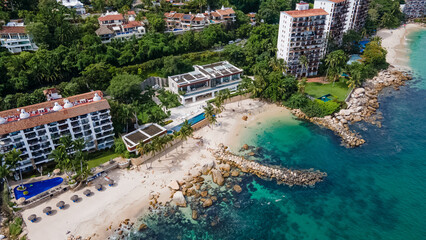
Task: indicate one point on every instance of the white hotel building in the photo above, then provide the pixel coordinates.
(205, 81)
(301, 33)
(36, 129)
(15, 38)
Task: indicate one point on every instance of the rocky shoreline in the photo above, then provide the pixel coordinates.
(280, 174)
(362, 106)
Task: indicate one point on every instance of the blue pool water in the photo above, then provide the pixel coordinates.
(373, 192)
(325, 98)
(192, 121)
(37, 187)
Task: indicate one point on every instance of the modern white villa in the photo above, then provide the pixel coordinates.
(74, 4)
(205, 81)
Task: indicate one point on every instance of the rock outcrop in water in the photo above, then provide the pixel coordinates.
(362, 106)
(282, 175)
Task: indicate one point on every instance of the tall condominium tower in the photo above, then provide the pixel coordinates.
(336, 20)
(357, 14)
(301, 33)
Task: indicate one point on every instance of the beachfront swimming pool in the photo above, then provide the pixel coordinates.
(35, 188)
(192, 121)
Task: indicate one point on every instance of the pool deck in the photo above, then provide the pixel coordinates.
(183, 112)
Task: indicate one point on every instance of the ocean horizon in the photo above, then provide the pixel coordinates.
(376, 191)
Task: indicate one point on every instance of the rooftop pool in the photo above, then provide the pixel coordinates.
(36, 188)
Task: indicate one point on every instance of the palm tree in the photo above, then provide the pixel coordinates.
(60, 156)
(301, 85)
(186, 130)
(278, 65)
(4, 169)
(218, 102)
(79, 145)
(13, 158)
(67, 142)
(335, 60)
(209, 113)
(303, 60)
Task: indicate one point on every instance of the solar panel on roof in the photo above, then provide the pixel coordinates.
(187, 17)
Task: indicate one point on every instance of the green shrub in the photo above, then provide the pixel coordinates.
(15, 228)
(318, 108)
(297, 100)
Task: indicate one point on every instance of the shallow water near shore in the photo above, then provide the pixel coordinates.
(376, 191)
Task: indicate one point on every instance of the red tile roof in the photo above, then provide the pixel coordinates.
(131, 13)
(226, 11)
(306, 13)
(8, 29)
(38, 119)
(132, 24)
(111, 17)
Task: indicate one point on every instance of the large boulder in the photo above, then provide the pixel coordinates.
(179, 199)
(207, 203)
(217, 177)
(174, 185)
(225, 167)
(359, 91)
(194, 214)
(207, 167)
(237, 188)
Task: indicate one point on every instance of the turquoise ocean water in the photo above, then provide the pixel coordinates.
(377, 191)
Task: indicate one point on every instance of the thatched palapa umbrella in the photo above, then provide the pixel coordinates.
(47, 210)
(98, 187)
(87, 192)
(74, 198)
(60, 204)
(32, 217)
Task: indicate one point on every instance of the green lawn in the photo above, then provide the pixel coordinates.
(101, 158)
(340, 90)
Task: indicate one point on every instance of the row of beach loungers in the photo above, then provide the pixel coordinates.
(61, 204)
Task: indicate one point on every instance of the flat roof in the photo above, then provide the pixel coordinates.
(206, 72)
(306, 13)
(143, 134)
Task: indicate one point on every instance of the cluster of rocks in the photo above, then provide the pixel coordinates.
(362, 106)
(282, 175)
(195, 190)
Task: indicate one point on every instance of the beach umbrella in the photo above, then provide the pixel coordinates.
(21, 200)
(32, 217)
(87, 192)
(47, 210)
(74, 198)
(60, 204)
(99, 187)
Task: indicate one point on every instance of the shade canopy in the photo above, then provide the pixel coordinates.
(47, 209)
(32, 217)
(98, 186)
(87, 192)
(60, 204)
(74, 198)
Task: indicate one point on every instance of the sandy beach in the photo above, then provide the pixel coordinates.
(98, 215)
(395, 42)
